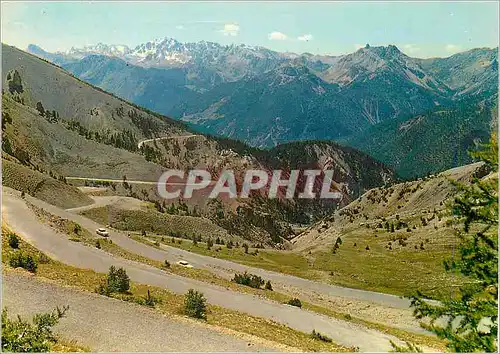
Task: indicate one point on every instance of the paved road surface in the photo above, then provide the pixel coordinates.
(109, 180)
(17, 215)
(166, 138)
(108, 325)
(115, 180)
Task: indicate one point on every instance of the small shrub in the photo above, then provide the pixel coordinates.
(98, 244)
(268, 286)
(166, 264)
(295, 302)
(321, 337)
(24, 261)
(245, 246)
(13, 241)
(195, 304)
(251, 280)
(30, 336)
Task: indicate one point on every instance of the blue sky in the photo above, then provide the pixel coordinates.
(420, 29)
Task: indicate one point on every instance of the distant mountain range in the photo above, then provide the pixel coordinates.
(267, 98)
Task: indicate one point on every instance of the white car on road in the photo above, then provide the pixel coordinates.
(102, 232)
(184, 264)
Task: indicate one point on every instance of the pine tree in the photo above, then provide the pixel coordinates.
(474, 310)
(195, 304)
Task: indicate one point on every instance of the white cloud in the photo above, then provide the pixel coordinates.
(231, 29)
(305, 37)
(410, 49)
(452, 48)
(179, 27)
(277, 36)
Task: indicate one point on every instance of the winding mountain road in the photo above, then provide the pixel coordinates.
(112, 180)
(378, 307)
(166, 138)
(108, 325)
(115, 180)
(206, 262)
(23, 220)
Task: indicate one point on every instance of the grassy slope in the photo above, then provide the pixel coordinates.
(53, 147)
(42, 186)
(398, 272)
(399, 261)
